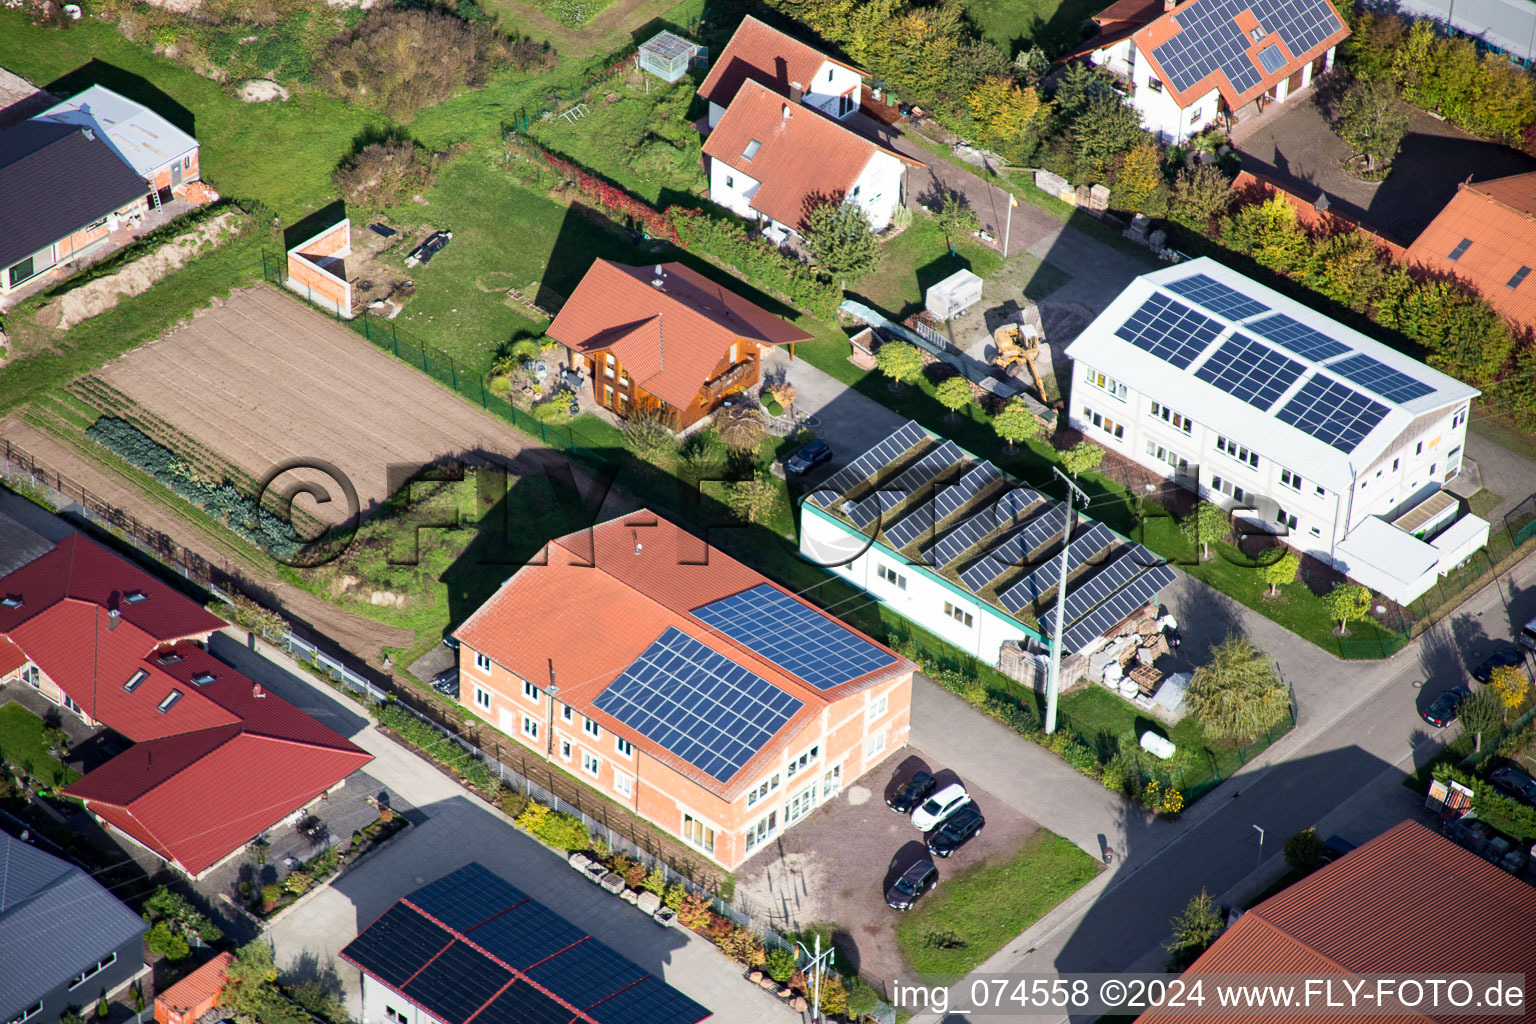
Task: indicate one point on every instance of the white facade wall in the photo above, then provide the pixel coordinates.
(732, 189)
(1421, 460)
(917, 594)
(1160, 112)
(379, 999)
(825, 91)
(878, 190)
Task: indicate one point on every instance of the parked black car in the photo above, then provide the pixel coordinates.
(909, 888)
(956, 831)
(809, 457)
(912, 792)
(1442, 712)
(1507, 655)
(1516, 783)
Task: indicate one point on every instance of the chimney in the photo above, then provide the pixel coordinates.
(796, 92)
(90, 136)
(257, 691)
(1169, 5)
(636, 538)
(113, 618)
(786, 111)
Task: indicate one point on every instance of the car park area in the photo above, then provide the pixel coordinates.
(838, 865)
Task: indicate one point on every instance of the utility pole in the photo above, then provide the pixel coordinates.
(817, 971)
(1053, 675)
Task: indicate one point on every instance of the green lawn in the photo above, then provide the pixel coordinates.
(22, 745)
(915, 260)
(972, 915)
(1014, 25)
(1109, 723)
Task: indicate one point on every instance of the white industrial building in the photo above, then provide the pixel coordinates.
(949, 542)
(1300, 425)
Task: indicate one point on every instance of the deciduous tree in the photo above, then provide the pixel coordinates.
(1237, 694)
(1282, 571)
(1006, 116)
(1082, 457)
(1194, 929)
(1205, 523)
(1511, 684)
(1200, 193)
(1270, 233)
(1481, 714)
(955, 217)
(900, 361)
(840, 242)
(1347, 602)
(954, 394)
(1305, 851)
(1140, 173)
(1016, 422)
(1372, 121)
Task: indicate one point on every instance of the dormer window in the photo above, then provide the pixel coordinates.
(170, 701)
(135, 596)
(135, 679)
(169, 658)
(204, 678)
(751, 150)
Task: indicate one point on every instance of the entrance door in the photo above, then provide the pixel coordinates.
(1295, 82)
(175, 174)
(504, 722)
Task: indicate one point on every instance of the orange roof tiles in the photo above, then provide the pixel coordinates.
(669, 338)
(11, 657)
(1499, 218)
(1165, 27)
(200, 987)
(762, 54)
(803, 157)
(598, 598)
(1409, 902)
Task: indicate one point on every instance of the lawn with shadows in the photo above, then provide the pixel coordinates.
(22, 745)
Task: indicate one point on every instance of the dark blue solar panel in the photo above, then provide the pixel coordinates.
(1246, 369)
(466, 897)
(1216, 297)
(698, 704)
(649, 1002)
(457, 983)
(397, 945)
(1119, 605)
(1086, 547)
(1169, 330)
(1374, 375)
(526, 934)
(801, 640)
(893, 492)
(1332, 412)
(521, 1003)
(1209, 39)
(1005, 509)
(1297, 337)
(585, 974)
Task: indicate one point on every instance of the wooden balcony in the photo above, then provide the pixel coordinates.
(731, 378)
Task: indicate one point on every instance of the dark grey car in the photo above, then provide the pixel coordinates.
(909, 888)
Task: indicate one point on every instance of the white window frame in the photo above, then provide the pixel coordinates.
(623, 784)
(875, 745)
(482, 662)
(565, 750)
(767, 786)
(1291, 479)
(91, 972)
(530, 727)
(708, 834)
(1232, 450)
(802, 803)
(959, 614)
(763, 829)
(591, 764)
(395, 1015)
(1105, 383)
(623, 746)
(1177, 420)
(890, 576)
(482, 698)
(878, 707)
(27, 1014)
(805, 760)
(532, 692)
(592, 729)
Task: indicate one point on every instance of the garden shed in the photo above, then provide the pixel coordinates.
(668, 56)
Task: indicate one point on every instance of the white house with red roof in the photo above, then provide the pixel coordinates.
(682, 684)
(773, 160)
(760, 53)
(215, 761)
(1188, 65)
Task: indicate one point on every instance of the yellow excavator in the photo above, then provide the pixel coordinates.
(1019, 343)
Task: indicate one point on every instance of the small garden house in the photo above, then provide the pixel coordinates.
(668, 56)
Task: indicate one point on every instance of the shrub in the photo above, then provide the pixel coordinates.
(299, 882)
(781, 965)
(1119, 774)
(656, 881)
(1073, 751)
(271, 893)
(839, 241)
(862, 998)
(167, 943)
(755, 500)
(1082, 457)
(477, 773)
(533, 816)
(512, 802)
(758, 261)
(694, 911)
(649, 438)
(742, 945)
(740, 428)
(564, 831)
(1200, 194)
(1018, 715)
(1304, 851)
(385, 173)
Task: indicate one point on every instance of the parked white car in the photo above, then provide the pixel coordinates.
(940, 806)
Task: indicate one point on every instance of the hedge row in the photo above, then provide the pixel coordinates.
(758, 261)
(220, 499)
(1510, 816)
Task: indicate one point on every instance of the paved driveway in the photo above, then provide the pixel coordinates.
(837, 865)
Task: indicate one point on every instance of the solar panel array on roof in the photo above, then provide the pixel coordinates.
(1291, 334)
(698, 704)
(1006, 509)
(866, 465)
(947, 500)
(457, 983)
(1209, 39)
(1220, 299)
(526, 934)
(1374, 375)
(467, 897)
(800, 640)
(916, 476)
(1112, 576)
(911, 526)
(1142, 589)
(1246, 369)
(1169, 330)
(585, 974)
(398, 944)
(1332, 412)
(521, 1003)
(1132, 579)
(1015, 550)
(649, 1002)
(1085, 548)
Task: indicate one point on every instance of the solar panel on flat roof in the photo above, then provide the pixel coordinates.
(648, 1002)
(1332, 412)
(1216, 297)
(467, 897)
(1374, 375)
(916, 476)
(587, 973)
(1003, 510)
(1086, 547)
(698, 704)
(800, 640)
(881, 454)
(1246, 369)
(526, 934)
(398, 944)
(1291, 334)
(1210, 40)
(1015, 549)
(1121, 603)
(1169, 330)
(1094, 590)
(916, 523)
(521, 1003)
(457, 983)
(947, 499)
(1271, 59)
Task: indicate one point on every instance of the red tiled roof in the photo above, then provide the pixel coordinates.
(1409, 902)
(217, 766)
(803, 156)
(760, 53)
(1165, 27)
(201, 985)
(11, 657)
(544, 615)
(667, 338)
(1137, 11)
(1499, 217)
